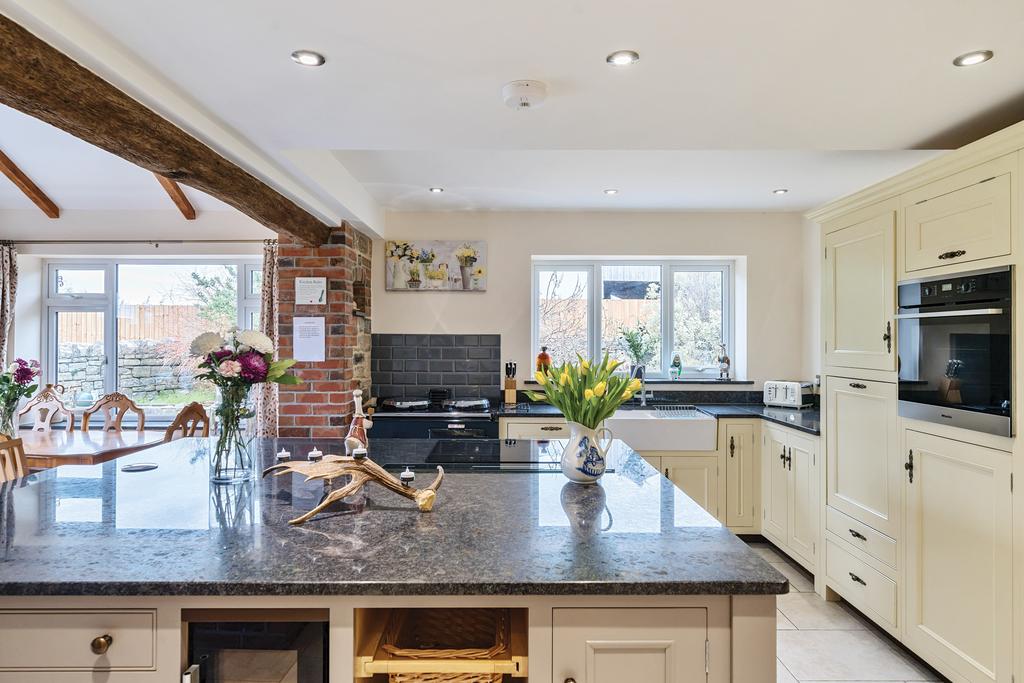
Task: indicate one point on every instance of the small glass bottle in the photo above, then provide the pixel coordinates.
(543, 359)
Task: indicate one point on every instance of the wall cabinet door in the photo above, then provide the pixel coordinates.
(801, 461)
(633, 644)
(963, 218)
(959, 536)
(697, 477)
(865, 467)
(775, 486)
(859, 291)
(739, 475)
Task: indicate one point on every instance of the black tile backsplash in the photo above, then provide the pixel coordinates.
(408, 365)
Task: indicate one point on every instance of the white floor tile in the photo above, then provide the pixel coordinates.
(782, 674)
(783, 624)
(768, 552)
(798, 580)
(846, 656)
(808, 611)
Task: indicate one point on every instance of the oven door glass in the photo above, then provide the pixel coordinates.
(958, 360)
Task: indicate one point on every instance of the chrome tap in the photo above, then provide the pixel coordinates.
(640, 373)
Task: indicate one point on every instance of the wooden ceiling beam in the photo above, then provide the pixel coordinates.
(41, 81)
(177, 196)
(25, 184)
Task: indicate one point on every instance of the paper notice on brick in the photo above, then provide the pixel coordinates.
(310, 340)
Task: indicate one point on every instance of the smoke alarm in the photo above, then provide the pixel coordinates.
(524, 94)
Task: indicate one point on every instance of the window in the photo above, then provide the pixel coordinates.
(648, 309)
(127, 325)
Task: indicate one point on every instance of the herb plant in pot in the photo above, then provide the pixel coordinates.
(587, 393)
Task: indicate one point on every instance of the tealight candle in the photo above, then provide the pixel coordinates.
(315, 454)
(359, 453)
(407, 477)
(283, 455)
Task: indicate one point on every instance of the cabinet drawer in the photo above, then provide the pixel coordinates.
(537, 429)
(966, 217)
(874, 543)
(861, 586)
(61, 640)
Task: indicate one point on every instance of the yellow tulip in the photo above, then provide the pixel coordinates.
(563, 379)
(589, 394)
(541, 378)
(633, 385)
(599, 389)
(626, 395)
(613, 364)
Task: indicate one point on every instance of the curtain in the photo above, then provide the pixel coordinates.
(8, 289)
(266, 400)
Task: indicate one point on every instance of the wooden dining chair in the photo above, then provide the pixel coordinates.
(12, 460)
(114, 407)
(191, 421)
(46, 408)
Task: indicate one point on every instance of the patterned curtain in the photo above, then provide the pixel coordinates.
(266, 415)
(8, 289)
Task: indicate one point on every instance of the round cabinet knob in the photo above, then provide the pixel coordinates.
(570, 680)
(100, 644)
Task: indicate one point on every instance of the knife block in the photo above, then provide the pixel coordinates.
(509, 396)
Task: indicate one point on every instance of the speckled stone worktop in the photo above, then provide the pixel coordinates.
(506, 523)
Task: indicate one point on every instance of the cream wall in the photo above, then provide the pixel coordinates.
(812, 257)
(773, 244)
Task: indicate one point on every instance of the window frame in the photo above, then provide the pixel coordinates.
(669, 267)
(53, 303)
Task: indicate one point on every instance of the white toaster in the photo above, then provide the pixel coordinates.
(787, 394)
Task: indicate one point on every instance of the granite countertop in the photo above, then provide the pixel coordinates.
(496, 530)
(806, 420)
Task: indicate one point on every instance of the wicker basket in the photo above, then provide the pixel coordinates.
(447, 634)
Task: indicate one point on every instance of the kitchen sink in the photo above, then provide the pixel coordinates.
(665, 428)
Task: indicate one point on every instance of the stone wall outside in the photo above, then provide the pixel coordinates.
(143, 371)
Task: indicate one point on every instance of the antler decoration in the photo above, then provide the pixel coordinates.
(361, 471)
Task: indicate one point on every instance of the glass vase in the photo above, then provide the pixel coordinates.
(232, 459)
(7, 426)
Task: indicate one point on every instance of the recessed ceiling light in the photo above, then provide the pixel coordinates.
(308, 58)
(611, 191)
(437, 190)
(623, 58)
(781, 190)
(973, 57)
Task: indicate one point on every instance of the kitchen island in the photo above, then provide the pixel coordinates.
(143, 550)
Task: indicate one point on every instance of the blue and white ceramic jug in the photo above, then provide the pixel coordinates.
(584, 458)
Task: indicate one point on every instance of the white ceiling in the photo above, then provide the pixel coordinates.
(77, 175)
(507, 180)
(749, 78)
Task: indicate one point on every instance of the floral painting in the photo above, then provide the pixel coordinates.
(436, 265)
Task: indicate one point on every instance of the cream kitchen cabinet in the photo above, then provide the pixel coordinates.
(865, 468)
(741, 488)
(697, 477)
(859, 290)
(533, 428)
(789, 493)
(959, 583)
(963, 218)
(668, 645)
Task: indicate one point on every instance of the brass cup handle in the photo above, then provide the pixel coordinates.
(100, 644)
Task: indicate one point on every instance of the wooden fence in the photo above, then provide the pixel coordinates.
(142, 321)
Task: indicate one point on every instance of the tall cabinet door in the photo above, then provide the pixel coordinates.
(865, 467)
(739, 475)
(859, 291)
(959, 535)
(801, 459)
(775, 492)
(653, 645)
(697, 477)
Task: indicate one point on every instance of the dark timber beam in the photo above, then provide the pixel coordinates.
(39, 80)
(177, 196)
(25, 184)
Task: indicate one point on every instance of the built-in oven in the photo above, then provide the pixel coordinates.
(434, 426)
(956, 350)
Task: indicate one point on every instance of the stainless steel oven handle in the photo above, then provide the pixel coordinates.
(950, 314)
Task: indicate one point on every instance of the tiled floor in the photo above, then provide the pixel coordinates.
(822, 641)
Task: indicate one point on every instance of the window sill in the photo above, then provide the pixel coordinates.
(674, 382)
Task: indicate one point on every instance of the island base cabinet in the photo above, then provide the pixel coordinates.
(615, 645)
(959, 537)
(697, 477)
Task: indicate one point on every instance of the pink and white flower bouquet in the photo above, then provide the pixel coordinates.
(16, 382)
(234, 363)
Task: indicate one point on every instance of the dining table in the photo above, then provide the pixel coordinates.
(77, 447)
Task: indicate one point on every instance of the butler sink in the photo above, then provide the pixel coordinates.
(665, 428)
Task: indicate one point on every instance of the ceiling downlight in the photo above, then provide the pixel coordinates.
(623, 58)
(308, 58)
(973, 57)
